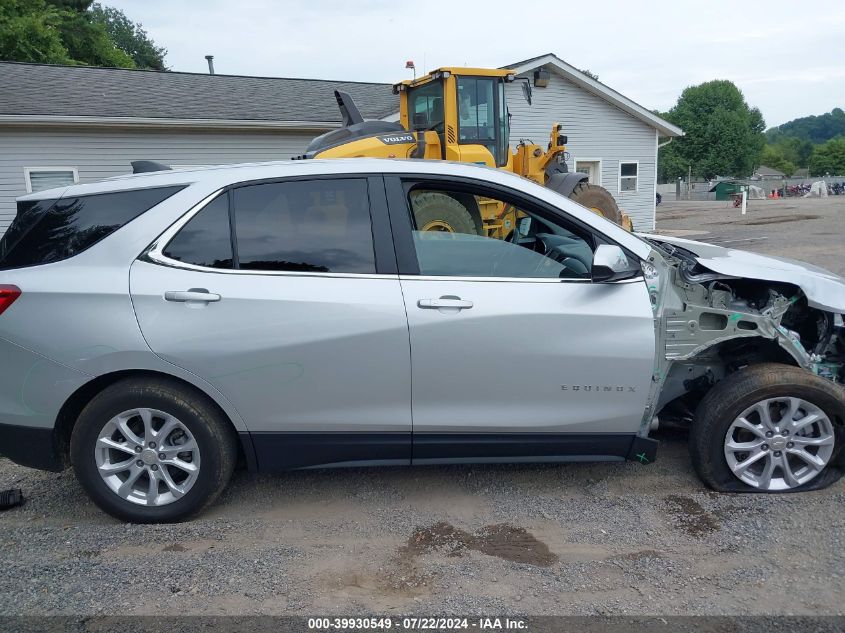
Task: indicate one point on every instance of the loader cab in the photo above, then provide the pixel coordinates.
(466, 107)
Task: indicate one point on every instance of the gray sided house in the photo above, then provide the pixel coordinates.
(60, 124)
(611, 138)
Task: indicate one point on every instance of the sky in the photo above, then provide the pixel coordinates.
(788, 58)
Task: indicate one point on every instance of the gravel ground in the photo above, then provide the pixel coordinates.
(580, 539)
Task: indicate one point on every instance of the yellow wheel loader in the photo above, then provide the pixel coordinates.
(460, 114)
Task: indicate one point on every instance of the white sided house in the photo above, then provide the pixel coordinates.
(611, 138)
(65, 124)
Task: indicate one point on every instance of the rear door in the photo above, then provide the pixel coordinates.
(284, 296)
(516, 353)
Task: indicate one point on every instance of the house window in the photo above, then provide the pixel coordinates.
(628, 176)
(41, 178)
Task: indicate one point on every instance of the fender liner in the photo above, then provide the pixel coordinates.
(564, 183)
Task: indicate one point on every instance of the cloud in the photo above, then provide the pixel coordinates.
(649, 52)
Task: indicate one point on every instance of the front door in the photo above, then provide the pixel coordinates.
(298, 320)
(515, 352)
(590, 167)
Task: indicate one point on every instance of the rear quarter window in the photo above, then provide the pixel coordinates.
(49, 231)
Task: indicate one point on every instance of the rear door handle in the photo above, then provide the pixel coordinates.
(444, 302)
(194, 294)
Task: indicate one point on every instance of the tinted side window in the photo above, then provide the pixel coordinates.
(206, 240)
(29, 213)
(311, 226)
(42, 234)
(512, 242)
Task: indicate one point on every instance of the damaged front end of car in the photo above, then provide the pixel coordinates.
(709, 324)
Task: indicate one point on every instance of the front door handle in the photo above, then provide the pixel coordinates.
(194, 294)
(444, 302)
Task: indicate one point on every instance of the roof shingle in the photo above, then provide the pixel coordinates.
(45, 90)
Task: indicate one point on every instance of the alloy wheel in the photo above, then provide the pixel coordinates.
(779, 443)
(147, 457)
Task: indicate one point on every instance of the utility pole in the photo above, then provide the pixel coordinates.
(689, 183)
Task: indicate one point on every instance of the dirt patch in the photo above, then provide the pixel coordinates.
(643, 554)
(503, 541)
(775, 219)
(400, 583)
(691, 516)
(779, 219)
(152, 549)
(176, 547)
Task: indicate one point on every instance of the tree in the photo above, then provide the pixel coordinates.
(773, 156)
(829, 158)
(65, 32)
(795, 150)
(129, 37)
(816, 129)
(86, 41)
(722, 134)
(29, 32)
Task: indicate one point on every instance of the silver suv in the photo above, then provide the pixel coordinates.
(158, 329)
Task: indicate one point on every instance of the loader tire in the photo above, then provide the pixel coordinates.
(438, 212)
(598, 200)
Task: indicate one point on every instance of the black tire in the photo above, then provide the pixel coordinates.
(733, 395)
(213, 433)
(597, 198)
(469, 202)
(435, 209)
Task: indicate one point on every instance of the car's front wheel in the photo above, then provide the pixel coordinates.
(150, 451)
(769, 428)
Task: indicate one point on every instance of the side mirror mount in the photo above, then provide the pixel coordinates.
(611, 264)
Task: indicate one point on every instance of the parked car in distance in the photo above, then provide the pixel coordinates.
(158, 329)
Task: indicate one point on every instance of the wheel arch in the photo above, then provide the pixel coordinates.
(689, 380)
(69, 413)
(752, 350)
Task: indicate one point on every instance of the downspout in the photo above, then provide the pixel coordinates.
(666, 143)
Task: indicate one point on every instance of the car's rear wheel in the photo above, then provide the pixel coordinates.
(152, 451)
(768, 428)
